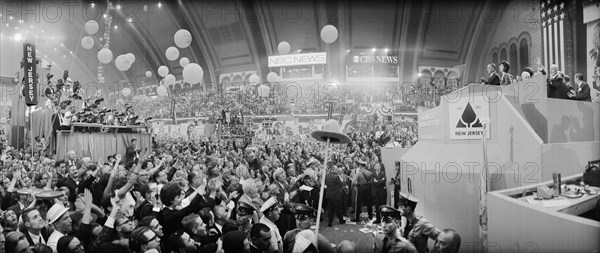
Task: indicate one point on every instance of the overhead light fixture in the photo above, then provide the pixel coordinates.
(93, 5)
(419, 74)
(10, 17)
(18, 37)
(159, 5)
(374, 49)
(118, 6)
(116, 27)
(129, 20)
(387, 49)
(103, 15)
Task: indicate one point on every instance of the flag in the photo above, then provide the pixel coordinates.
(553, 32)
(483, 189)
(173, 115)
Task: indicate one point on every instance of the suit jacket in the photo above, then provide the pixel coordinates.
(43, 233)
(583, 93)
(398, 246)
(130, 154)
(71, 184)
(557, 88)
(378, 188)
(334, 186)
(493, 79)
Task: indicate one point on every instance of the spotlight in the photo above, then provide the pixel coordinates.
(386, 49)
(93, 5)
(374, 49)
(18, 37)
(118, 6)
(116, 27)
(159, 5)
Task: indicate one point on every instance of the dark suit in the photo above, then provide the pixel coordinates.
(335, 188)
(378, 191)
(131, 154)
(557, 88)
(70, 183)
(583, 93)
(43, 233)
(493, 79)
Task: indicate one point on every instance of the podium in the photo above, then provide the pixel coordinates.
(528, 137)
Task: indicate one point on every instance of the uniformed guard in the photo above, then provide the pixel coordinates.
(390, 240)
(299, 239)
(244, 217)
(417, 229)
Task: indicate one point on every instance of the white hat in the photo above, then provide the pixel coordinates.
(332, 131)
(55, 212)
(268, 204)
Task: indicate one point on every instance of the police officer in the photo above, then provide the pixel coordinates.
(390, 240)
(297, 238)
(417, 229)
(244, 217)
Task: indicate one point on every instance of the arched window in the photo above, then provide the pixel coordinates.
(514, 68)
(503, 56)
(524, 53)
(495, 58)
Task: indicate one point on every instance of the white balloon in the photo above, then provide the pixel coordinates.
(162, 91)
(329, 34)
(91, 27)
(126, 92)
(272, 77)
(131, 57)
(170, 79)
(184, 61)
(183, 38)
(148, 73)
(105, 56)
(172, 53)
(122, 62)
(163, 71)
(193, 73)
(263, 91)
(87, 42)
(283, 47)
(253, 79)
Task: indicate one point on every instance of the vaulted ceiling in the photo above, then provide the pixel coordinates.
(239, 35)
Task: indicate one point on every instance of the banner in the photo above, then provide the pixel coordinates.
(297, 59)
(359, 59)
(29, 65)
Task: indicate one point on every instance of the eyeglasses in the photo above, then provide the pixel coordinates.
(301, 217)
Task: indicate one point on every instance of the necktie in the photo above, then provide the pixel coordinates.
(386, 245)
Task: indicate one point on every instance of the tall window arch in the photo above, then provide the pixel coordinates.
(513, 59)
(503, 56)
(524, 53)
(495, 58)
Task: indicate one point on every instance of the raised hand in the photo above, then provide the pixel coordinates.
(87, 197)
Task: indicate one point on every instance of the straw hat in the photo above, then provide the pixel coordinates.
(332, 131)
(55, 212)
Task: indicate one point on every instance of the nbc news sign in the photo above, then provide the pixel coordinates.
(297, 59)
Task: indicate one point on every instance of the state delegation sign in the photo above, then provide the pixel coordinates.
(297, 59)
(465, 118)
(29, 65)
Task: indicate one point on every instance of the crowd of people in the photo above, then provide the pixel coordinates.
(206, 196)
(196, 103)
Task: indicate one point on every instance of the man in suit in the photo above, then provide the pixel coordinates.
(131, 155)
(556, 84)
(72, 159)
(583, 92)
(71, 181)
(21, 203)
(36, 231)
(494, 78)
(335, 186)
(378, 190)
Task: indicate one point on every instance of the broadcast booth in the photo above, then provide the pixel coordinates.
(528, 137)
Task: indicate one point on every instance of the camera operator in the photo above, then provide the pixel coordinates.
(66, 117)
